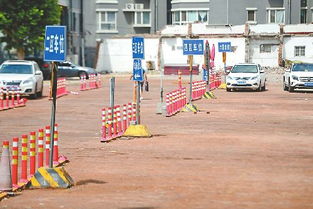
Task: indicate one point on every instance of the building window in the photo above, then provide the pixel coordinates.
(303, 15)
(304, 3)
(299, 51)
(265, 48)
(251, 15)
(142, 19)
(276, 16)
(107, 21)
(190, 16)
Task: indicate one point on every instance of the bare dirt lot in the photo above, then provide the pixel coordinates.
(242, 150)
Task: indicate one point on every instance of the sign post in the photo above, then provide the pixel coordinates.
(192, 47)
(138, 55)
(55, 51)
(224, 47)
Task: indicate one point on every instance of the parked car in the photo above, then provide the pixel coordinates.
(25, 77)
(68, 69)
(246, 76)
(298, 76)
(45, 66)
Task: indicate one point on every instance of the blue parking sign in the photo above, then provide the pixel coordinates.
(193, 47)
(55, 43)
(137, 70)
(138, 48)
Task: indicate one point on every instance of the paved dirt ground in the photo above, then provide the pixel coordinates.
(243, 150)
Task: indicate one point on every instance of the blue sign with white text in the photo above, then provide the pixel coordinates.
(205, 75)
(137, 70)
(193, 47)
(138, 48)
(224, 47)
(55, 43)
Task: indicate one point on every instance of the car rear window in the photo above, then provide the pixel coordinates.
(303, 68)
(244, 69)
(16, 69)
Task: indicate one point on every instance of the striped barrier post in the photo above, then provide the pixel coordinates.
(24, 159)
(114, 122)
(32, 153)
(40, 147)
(119, 122)
(134, 112)
(14, 164)
(103, 124)
(129, 112)
(7, 106)
(110, 120)
(56, 147)
(125, 124)
(47, 151)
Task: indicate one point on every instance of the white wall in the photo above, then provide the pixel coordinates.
(115, 55)
(290, 44)
(264, 59)
(172, 52)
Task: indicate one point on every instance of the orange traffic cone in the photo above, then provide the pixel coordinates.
(5, 168)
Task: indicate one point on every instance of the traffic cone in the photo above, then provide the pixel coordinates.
(5, 168)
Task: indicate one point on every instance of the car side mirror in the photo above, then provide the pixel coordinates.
(262, 71)
(288, 70)
(38, 72)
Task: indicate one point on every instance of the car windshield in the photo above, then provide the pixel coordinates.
(303, 68)
(244, 69)
(16, 69)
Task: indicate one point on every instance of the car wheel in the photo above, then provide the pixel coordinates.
(34, 95)
(264, 87)
(228, 89)
(83, 74)
(290, 88)
(39, 94)
(285, 86)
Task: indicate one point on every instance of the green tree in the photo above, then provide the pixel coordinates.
(23, 22)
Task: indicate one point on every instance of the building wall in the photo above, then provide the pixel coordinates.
(264, 58)
(289, 47)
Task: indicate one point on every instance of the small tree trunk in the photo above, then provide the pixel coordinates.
(20, 53)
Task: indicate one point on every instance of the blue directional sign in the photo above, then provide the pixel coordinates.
(138, 48)
(193, 47)
(55, 43)
(137, 70)
(224, 47)
(205, 75)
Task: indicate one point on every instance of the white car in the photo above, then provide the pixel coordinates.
(299, 76)
(246, 76)
(21, 76)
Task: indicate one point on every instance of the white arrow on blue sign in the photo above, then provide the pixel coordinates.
(137, 70)
(55, 43)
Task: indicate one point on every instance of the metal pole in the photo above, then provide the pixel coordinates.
(112, 90)
(138, 103)
(53, 109)
(190, 70)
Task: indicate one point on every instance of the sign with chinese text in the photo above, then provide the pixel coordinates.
(55, 43)
(193, 47)
(137, 70)
(224, 47)
(138, 48)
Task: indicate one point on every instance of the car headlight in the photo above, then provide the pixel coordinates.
(254, 78)
(28, 81)
(229, 77)
(295, 77)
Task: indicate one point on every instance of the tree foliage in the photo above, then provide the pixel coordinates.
(23, 22)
